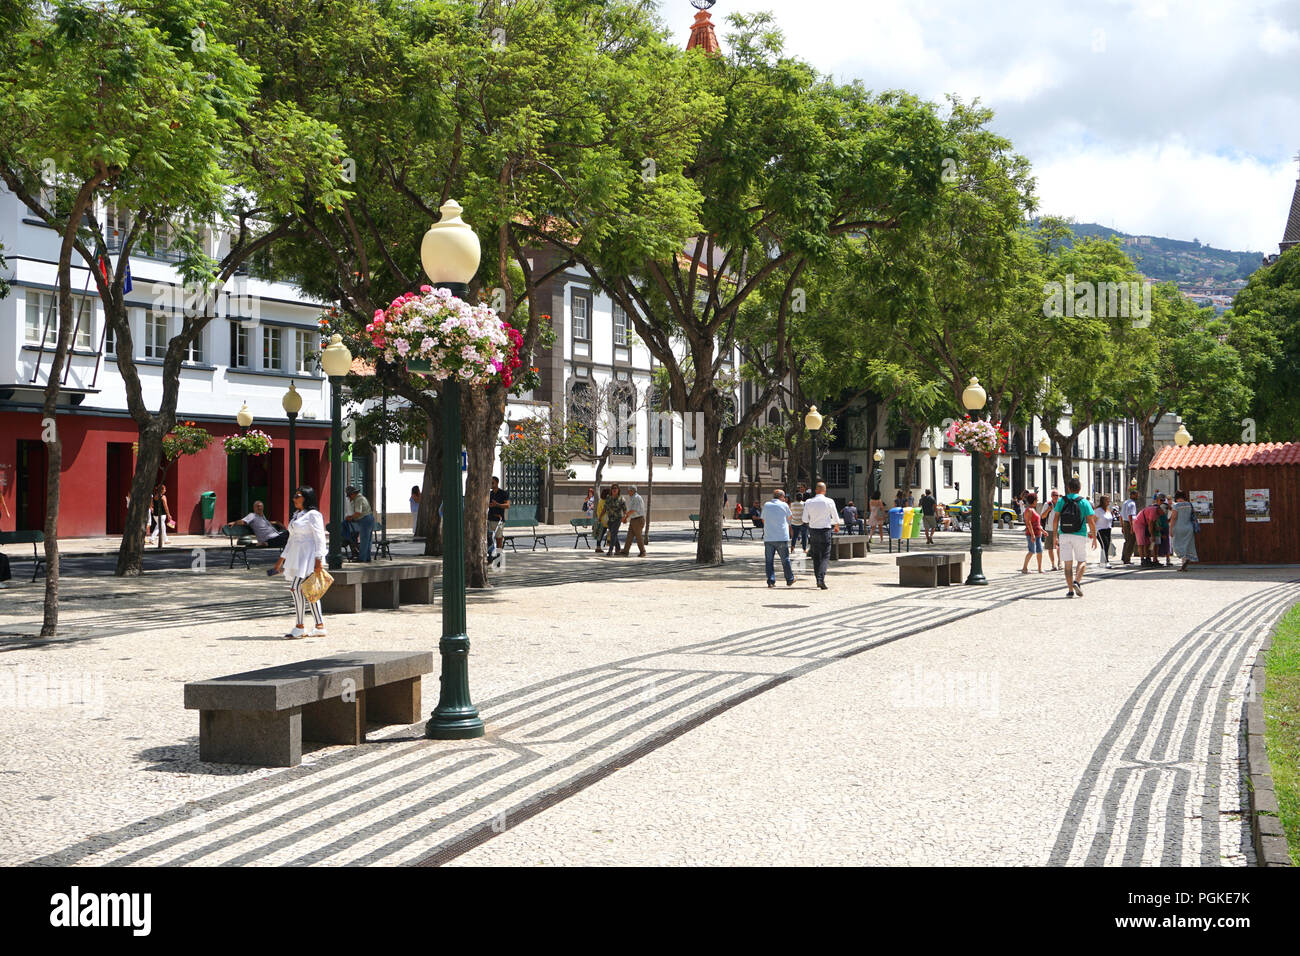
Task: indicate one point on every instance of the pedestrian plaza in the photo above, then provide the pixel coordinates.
(652, 711)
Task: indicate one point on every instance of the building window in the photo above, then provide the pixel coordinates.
(1096, 482)
(155, 335)
(581, 316)
(194, 351)
(271, 355)
(835, 474)
(1054, 479)
(43, 317)
(413, 454)
(622, 440)
(947, 474)
(1029, 476)
(900, 471)
(110, 339)
(304, 348)
(238, 345)
(620, 326)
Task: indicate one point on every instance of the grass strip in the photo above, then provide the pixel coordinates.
(1282, 723)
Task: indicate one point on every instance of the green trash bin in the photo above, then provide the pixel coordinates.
(208, 505)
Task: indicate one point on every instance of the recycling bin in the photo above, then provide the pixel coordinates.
(917, 518)
(896, 523)
(208, 505)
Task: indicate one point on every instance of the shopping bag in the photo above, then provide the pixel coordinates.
(316, 584)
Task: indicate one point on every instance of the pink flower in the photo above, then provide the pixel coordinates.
(426, 289)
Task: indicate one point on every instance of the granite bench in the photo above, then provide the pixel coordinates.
(262, 717)
(844, 546)
(381, 586)
(930, 569)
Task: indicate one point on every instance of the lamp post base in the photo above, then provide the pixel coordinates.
(455, 717)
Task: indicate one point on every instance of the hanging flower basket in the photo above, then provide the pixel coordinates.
(255, 442)
(979, 437)
(435, 333)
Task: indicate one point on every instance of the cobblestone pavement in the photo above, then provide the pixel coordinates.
(649, 711)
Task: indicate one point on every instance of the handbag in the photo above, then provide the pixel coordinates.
(315, 585)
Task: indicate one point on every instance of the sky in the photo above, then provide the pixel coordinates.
(1177, 118)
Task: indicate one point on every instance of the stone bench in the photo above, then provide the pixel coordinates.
(844, 546)
(262, 717)
(381, 586)
(930, 569)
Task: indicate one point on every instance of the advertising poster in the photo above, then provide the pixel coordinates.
(1257, 504)
(1203, 506)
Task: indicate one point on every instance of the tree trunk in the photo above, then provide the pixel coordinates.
(482, 412)
(54, 461)
(713, 475)
(130, 555)
(1147, 429)
(650, 486)
(913, 454)
(428, 523)
(988, 466)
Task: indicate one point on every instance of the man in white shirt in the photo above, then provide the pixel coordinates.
(823, 520)
(635, 521)
(262, 529)
(1127, 515)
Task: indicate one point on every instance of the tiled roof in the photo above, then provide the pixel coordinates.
(1226, 456)
(1291, 235)
(702, 35)
(361, 367)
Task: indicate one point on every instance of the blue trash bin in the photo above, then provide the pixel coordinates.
(896, 523)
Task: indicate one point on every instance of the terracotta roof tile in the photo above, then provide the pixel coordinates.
(1226, 456)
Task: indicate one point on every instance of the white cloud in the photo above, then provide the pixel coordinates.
(1190, 109)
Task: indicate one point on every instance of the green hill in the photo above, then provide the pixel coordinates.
(1188, 263)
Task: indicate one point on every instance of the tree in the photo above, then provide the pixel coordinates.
(1264, 328)
(788, 162)
(158, 128)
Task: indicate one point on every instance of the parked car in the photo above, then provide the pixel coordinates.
(1006, 512)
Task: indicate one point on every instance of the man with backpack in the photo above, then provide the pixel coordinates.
(1075, 525)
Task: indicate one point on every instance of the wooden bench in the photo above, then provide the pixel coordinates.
(531, 525)
(241, 538)
(381, 586)
(845, 546)
(262, 717)
(27, 537)
(930, 569)
(581, 530)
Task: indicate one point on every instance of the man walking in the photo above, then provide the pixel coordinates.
(1075, 525)
(498, 508)
(820, 516)
(635, 522)
(776, 537)
(1127, 516)
(928, 519)
(798, 528)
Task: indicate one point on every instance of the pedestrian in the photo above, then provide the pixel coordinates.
(160, 514)
(822, 521)
(1184, 528)
(851, 517)
(615, 507)
(1127, 516)
(1164, 547)
(1103, 529)
(598, 518)
(798, 528)
(1033, 533)
(415, 503)
(498, 508)
(776, 538)
(1050, 537)
(1148, 533)
(635, 522)
(928, 517)
(877, 517)
(590, 502)
(303, 556)
(1076, 526)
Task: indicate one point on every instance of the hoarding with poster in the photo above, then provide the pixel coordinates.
(1203, 506)
(1257, 504)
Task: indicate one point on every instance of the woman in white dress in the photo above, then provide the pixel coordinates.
(302, 555)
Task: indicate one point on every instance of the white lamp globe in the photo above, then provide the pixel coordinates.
(974, 396)
(245, 417)
(292, 401)
(813, 419)
(450, 249)
(336, 359)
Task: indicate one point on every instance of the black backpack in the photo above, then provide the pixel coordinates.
(1071, 521)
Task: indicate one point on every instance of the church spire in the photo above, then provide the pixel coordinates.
(702, 35)
(1291, 234)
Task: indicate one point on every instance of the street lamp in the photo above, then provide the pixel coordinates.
(336, 360)
(245, 418)
(450, 255)
(292, 405)
(1182, 437)
(934, 457)
(973, 399)
(813, 422)
(1044, 446)
(879, 473)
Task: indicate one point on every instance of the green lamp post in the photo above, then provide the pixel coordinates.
(245, 418)
(813, 422)
(973, 398)
(450, 255)
(292, 405)
(336, 360)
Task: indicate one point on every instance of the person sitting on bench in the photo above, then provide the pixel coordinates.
(359, 525)
(266, 533)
